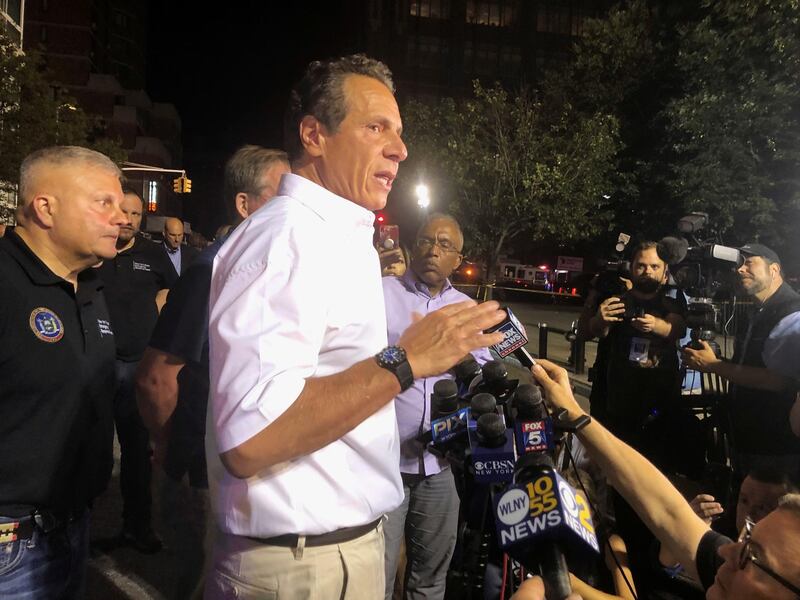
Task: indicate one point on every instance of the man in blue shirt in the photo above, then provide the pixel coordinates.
(428, 516)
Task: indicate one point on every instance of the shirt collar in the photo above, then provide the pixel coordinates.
(40, 273)
(412, 282)
(327, 205)
(170, 250)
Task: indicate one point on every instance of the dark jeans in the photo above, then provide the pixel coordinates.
(49, 566)
(135, 466)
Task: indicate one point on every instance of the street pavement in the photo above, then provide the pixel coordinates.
(118, 572)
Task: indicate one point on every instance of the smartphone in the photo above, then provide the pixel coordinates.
(388, 237)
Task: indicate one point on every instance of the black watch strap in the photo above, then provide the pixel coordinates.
(393, 358)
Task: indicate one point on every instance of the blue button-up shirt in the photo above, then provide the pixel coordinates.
(405, 296)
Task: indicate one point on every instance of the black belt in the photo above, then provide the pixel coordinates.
(340, 536)
(45, 521)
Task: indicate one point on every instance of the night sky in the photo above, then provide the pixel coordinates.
(229, 72)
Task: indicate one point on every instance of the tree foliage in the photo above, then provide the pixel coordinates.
(736, 126)
(34, 114)
(511, 167)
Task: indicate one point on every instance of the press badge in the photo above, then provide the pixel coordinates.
(640, 350)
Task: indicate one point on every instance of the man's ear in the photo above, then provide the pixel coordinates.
(241, 205)
(312, 136)
(459, 261)
(43, 209)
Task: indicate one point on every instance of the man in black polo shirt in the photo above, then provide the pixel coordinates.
(763, 372)
(136, 282)
(172, 381)
(56, 369)
(763, 565)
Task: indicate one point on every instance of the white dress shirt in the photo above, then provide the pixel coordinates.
(296, 294)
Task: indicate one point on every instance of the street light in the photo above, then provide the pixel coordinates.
(423, 196)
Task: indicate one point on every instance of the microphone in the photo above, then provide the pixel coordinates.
(538, 517)
(491, 443)
(448, 422)
(514, 340)
(675, 249)
(533, 428)
(494, 380)
(444, 399)
(466, 371)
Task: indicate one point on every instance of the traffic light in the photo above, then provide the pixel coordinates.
(187, 185)
(177, 185)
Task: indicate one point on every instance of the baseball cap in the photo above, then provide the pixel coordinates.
(760, 250)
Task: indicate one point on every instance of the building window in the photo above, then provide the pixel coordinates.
(481, 58)
(560, 20)
(152, 196)
(428, 52)
(498, 13)
(434, 9)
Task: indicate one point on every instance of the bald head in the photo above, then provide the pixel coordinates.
(173, 232)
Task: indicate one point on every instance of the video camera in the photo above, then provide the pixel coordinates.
(705, 271)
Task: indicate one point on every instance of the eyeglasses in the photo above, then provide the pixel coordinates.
(446, 246)
(747, 556)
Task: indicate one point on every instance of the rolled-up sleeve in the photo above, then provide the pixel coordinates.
(782, 347)
(267, 324)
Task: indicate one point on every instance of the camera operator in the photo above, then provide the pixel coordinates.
(637, 368)
(763, 372)
(722, 566)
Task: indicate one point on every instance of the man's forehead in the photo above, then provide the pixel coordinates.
(367, 94)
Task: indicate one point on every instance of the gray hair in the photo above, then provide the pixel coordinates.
(57, 156)
(320, 93)
(245, 169)
(442, 216)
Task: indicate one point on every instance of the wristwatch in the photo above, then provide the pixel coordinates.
(393, 358)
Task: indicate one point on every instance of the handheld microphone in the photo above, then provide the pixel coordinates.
(448, 422)
(533, 427)
(494, 380)
(514, 340)
(538, 517)
(491, 443)
(444, 399)
(466, 371)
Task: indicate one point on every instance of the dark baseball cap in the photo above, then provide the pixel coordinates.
(760, 250)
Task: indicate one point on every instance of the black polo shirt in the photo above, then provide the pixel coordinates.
(56, 376)
(132, 280)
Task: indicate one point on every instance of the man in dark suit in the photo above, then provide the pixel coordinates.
(179, 254)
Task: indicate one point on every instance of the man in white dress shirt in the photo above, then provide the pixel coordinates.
(302, 380)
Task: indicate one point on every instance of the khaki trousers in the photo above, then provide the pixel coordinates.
(248, 569)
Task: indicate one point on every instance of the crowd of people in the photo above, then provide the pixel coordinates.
(284, 399)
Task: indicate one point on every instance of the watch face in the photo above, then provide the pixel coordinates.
(393, 355)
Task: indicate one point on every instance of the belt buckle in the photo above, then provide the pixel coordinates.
(8, 532)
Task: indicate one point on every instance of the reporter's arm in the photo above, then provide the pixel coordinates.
(672, 327)
(645, 488)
